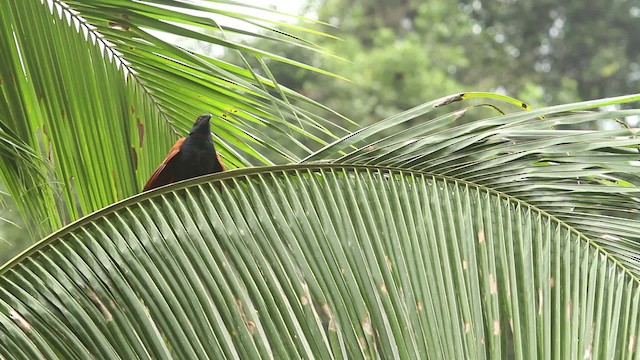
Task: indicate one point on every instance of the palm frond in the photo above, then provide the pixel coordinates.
(199, 81)
(95, 93)
(319, 261)
(589, 179)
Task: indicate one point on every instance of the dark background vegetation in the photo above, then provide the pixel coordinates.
(402, 53)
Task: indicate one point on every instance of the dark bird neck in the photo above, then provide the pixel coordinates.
(199, 136)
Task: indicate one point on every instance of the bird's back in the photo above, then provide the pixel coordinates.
(197, 157)
(192, 156)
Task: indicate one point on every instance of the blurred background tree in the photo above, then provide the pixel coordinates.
(404, 52)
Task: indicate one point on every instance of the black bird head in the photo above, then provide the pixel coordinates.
(201, 127)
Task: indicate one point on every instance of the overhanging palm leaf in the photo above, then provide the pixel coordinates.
(92, 88)
(587, 179)
(356, 260)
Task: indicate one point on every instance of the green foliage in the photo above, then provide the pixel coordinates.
(585, 178)
(496, 238)
(450, 230)
(93, 97)
(402, 53)
(391, 68)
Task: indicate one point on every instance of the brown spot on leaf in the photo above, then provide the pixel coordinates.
(362, 342)
(481, 236)
(134, 158)
(383, 288)
(496, 327)
(95, 299)
(459, 114)
(133, 110)
(305, 298)
(19, 320)
(448, 100)
(243, 316)
(51, 157)
(140, 131)
(327, 311)
(552, 282)
(366, 326)
(251, 326)
(493, 284)
(467, 327)
(588, 352)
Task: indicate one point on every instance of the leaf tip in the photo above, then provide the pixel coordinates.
(449, 99)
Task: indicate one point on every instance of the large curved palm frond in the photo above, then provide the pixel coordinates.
(93, 89)
(588, 179)
(324, 261)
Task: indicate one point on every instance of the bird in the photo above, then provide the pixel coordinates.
(191, 156)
